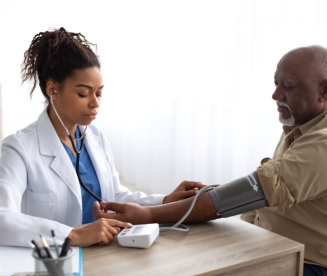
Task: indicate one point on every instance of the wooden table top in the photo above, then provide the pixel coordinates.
(219, 245)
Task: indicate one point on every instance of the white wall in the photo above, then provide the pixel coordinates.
(188, 84)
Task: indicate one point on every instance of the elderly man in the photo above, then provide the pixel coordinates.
(292, 186)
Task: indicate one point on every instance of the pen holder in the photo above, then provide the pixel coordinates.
(61, 266)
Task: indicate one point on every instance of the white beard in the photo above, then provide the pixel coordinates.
(286, 122)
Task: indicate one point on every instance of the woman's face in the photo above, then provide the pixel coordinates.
(78, 99)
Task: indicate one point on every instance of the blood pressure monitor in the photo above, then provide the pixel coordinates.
(140, 236)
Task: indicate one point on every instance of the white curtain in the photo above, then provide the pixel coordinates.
(188, 84)
(0, 116)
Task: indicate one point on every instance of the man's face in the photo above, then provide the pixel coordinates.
(298, 93)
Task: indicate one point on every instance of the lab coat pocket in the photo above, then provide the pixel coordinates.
(38, 204)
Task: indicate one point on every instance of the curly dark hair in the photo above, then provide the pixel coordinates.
(54, 55)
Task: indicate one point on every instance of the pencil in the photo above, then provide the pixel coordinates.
(65, 247)
(34, 245)
(55, 242)
(46, 246)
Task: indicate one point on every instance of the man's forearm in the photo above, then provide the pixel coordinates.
(238, 196)
(203, 210)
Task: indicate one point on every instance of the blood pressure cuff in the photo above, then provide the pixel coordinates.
(239, 196)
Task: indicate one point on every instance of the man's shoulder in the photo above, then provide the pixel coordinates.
(317, 131)
(315, 134)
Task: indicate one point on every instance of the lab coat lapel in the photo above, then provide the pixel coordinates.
(50, 145)
(97, 156)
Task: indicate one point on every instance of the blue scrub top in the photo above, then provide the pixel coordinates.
(89, 177)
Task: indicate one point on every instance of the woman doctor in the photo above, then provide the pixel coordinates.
(44, 167)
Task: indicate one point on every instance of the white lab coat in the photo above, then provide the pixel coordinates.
(39, 188)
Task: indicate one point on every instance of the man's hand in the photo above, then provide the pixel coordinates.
(129, 212)
(184, 190)
(101, 231)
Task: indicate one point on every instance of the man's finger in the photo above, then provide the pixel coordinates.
(103, 205)
(109, 215)
(115, 206)
(185, 194)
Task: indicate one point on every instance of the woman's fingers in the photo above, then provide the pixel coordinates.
(118, 223)
(108, 230)
(96, 210)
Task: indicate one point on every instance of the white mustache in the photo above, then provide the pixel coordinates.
(281, 104)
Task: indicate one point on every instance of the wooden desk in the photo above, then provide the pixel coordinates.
(221, 247)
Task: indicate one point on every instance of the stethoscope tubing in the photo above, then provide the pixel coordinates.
(77, 167)
(71, 138)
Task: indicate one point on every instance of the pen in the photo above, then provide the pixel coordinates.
(54, 242)
(46, 246)
(65, 247)
(34, 245)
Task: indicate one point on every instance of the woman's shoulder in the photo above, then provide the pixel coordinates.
(25, 138)
(30, 130)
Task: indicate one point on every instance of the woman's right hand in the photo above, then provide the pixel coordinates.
(101, 231)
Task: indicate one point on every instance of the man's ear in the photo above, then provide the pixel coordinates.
(51, 87)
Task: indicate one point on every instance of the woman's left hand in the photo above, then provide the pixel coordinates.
(184, 190)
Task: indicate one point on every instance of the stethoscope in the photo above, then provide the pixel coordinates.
(72, 138)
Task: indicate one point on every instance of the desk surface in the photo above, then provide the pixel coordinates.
(221, 247)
